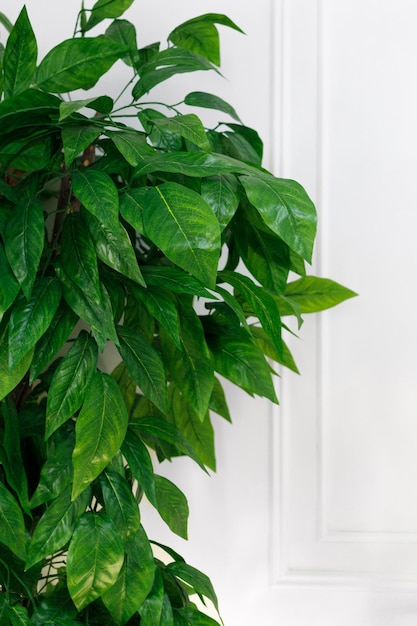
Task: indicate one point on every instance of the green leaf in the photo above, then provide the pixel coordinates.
(135, 580)
(145, 366)
(286, 209)
(12, 526)
(114, 248)
(79, 256)
(132, 145)
(6, 22)
(10, 376)
(9, 287)
(56, 526)
(192, 367)
(218, 402)
(165, 139)
(126, 384)
(76, 138)
(185, 228)
(252, 139)
(160, 304)
(18, 616)
(24, 239)
(172, 506)
(210, 101)
(193, 617)
(220, 192)
(13, 461)
(283, 357)
(140, 463)
(188, 126)
(100, 430)
(55, 609)
(70, 382)
(95, 558)
(106, 9)
(198, 581)
(98, 193)
(124, 33)
(197, 164)
(131, 207)
(53, 339)
(31, 106)
(20, 56)
(174, 280)
(120, 503)
(238, 358)
(151, 609)
(77, 63)
(199, 433)
(102, 104)
(312, 294)
(31, 318)
(165, 64)
(261, 303)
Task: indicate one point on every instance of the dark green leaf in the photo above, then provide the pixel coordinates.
(193, 617)
(145, 366)
(77, 138)
(185, 228)
(160, 304)
(70, 382)
(77, 63)
(20, 56)
(10, 376)
(126, 384)
(175, 280)
(114, 248)
(24, 240)
(95, 558)
(9, 287)
(18, 616)
(251, 137)
(100, 430)
(135, 580)
(192, 367)
(56, 526)
(151, 609)
(218, 402)
(56, 609)
(120, 503)
(31, 106)
(53, 339)
(13, 461)
(220, 192)
(132, 145)
(165, 138)
(312, 294)
(98, 193)
(198, 581)
(102, 104)
(172, 505)
(140, 463)
(31, 318)
(284, 357)
(124, 33)
(131, 207)
(199, 433)
(188, 126)
(103, 9)
(12, 527)
(286, 209)
(210, 101)
(6, 22)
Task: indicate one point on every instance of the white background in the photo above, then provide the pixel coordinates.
(311, 518)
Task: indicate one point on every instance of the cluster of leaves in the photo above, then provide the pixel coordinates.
(111, 234)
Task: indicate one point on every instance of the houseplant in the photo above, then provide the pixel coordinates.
(137, 227)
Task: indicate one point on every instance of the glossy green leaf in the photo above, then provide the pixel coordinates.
(172, 505)
(199, 582)
(103, 9)
(24, 241)
(312, 294)
(286, 209)
(188, 126)
(126, 384)
(56, 526)
(132, 145)
(12, 527)
(175, 280)
(77, 63)
(120, 503)
(124, 33)
(13, 459)
(221, 193)
(114, 248)
(238, 358)
(20, 56)
(99, 317)
(162, 138)
(18, 616)
(218, 402)
(102, 104)
(95, 558)
(284, 357)
(261, 303)
(161, 305)
(165, 64)
(53, 339)
(251, 137)
(232, 303)
(199, 433)
(56, 609)
(135, 580)
(9, 287)
(193, 617)
(31, 318)
(210, 101)
(151, 609)
(192, 367)
(76, 138)
(31, 106)
(98, 193)
(131, 207)
(145, 366)
(100, 430)
(193, 164)
(4, 20)
(184, 227)
(10, 376)
(140, 463)
(70, 382)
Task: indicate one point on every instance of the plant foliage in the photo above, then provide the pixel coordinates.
(164, 238)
